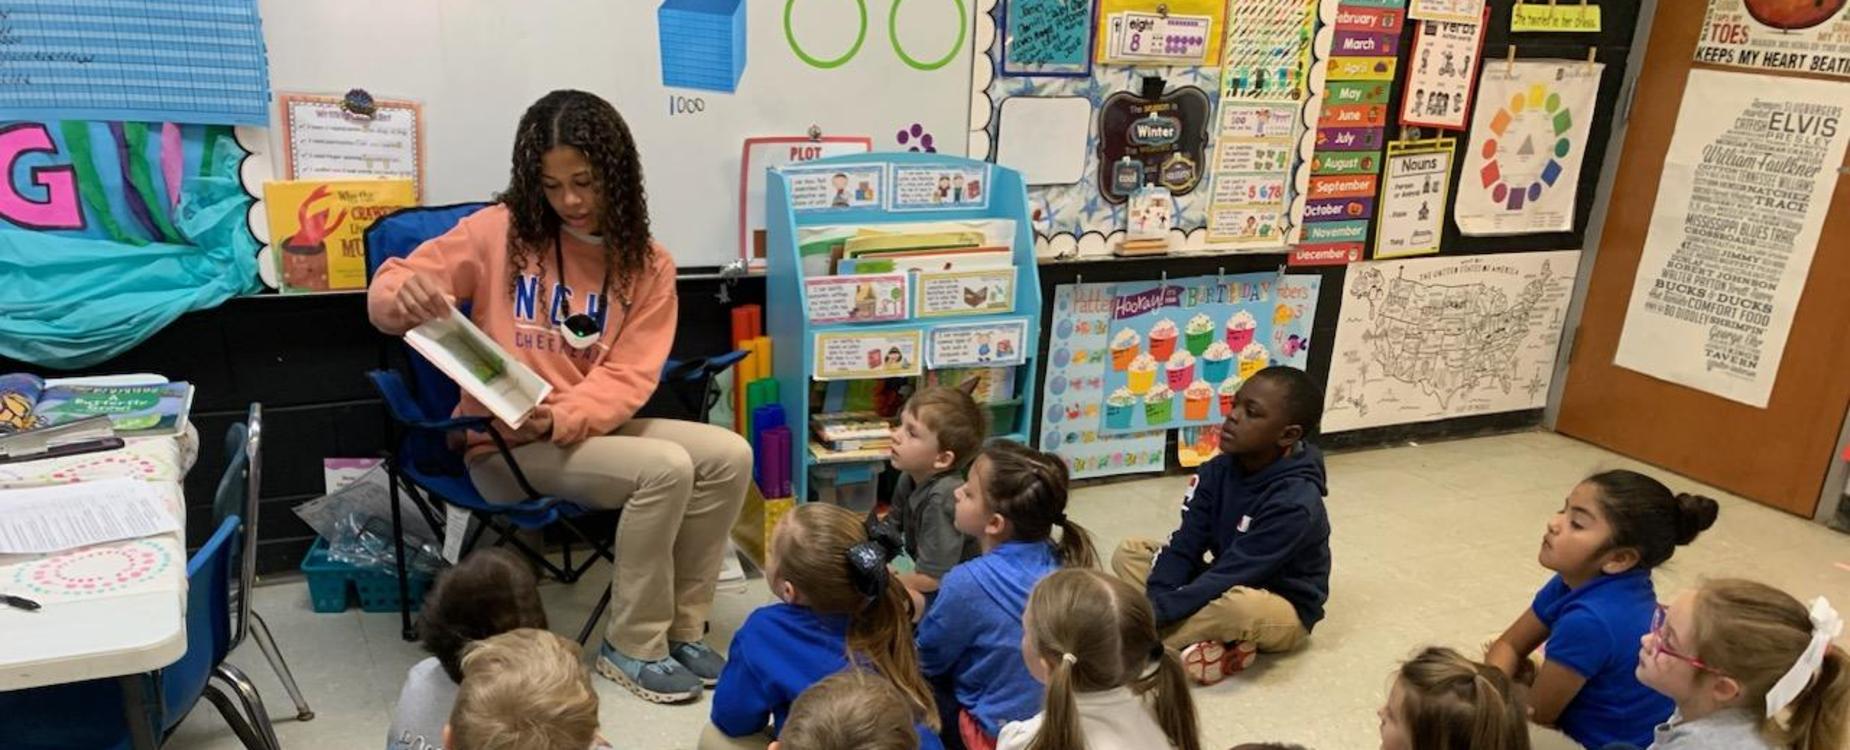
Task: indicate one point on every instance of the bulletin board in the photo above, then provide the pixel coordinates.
(898, 73)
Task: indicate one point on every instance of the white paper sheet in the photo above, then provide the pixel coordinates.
(1044, 138)
(66, 516)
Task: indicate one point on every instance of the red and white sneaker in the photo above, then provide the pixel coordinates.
(1209, 662)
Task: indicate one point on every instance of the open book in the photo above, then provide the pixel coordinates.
(462, 351)
(145, 410)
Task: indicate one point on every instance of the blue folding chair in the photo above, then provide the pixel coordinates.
(423, 463)
(73, 715)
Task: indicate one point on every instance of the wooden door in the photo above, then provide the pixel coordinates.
(1778, 455)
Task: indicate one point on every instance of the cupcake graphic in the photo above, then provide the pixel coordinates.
(1253, 358)
(1200, 331)
(1227, 390)
(1142, 373)
(1240, 330)
(1124, 348)
(1159, 405)
(1118, 408)
(1163, 338)
(1217, 362)
(1196, 400)
(1181, 369)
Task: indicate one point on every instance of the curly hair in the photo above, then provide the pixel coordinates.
(585, 122)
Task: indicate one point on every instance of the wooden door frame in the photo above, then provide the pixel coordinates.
(1596, 223)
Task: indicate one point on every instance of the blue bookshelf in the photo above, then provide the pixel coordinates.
(788, 323)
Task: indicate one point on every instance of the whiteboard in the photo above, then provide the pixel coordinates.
(477, 64)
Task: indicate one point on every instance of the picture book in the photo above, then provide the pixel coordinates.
(318, 228)
(152, 410)
(508, 388)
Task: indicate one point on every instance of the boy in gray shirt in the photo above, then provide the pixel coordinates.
(940, 430)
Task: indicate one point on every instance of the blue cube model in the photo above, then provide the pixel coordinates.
(702, 43)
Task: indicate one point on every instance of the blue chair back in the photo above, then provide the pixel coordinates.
(394, 236)
(208, 622)
(228, 499)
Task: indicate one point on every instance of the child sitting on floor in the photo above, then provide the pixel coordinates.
(524, 689)
(938, 435)
(1750, 668)
(1249, 569)
(1443, 701)
(837, 601)
(971, 636)
(1614, 528)
(1111, 685)
(854, 709)
(492, 591)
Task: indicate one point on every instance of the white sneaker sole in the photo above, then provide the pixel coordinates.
(612, 673)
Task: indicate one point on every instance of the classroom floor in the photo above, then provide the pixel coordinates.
(1433, 544)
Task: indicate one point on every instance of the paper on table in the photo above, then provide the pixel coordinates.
(60, 517)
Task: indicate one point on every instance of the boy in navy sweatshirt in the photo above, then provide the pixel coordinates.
(1249, 568)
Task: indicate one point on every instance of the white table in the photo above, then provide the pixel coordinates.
(125, 635)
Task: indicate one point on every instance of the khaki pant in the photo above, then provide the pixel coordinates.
(680, 485)
(1257, 616)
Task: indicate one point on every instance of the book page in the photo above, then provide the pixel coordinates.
(481, 367)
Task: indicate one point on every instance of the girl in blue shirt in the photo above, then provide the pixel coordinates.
(839, 605)
(971, 636)
(1613, 530)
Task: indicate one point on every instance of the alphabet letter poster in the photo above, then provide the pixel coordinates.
(1747, 182)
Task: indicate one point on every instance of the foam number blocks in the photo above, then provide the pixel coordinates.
(702, 43)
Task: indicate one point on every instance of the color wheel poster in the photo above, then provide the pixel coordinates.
(1522, 164)
(1796, 36)
(1746, 185)
(1179, 349)
(1074, 392)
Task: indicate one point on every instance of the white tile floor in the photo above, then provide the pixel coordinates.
(1433, 544)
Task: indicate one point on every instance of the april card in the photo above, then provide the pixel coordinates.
(873, 354)
(939, 188)
(966, 292)
(856, 299)
(978, 344)
(837, 188)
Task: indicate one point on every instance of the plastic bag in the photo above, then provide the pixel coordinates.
(356, 521)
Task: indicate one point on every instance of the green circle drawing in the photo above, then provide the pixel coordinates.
(892, 34)
(859, 37)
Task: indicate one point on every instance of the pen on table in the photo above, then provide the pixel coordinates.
(19, 602)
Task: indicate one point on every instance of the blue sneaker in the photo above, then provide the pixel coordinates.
(660, 681)
(704, 662)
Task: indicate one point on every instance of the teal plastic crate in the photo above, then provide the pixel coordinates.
(332, 585)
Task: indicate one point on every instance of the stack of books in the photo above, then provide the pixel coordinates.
(853, 431)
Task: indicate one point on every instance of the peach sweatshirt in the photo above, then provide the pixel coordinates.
(595, 389)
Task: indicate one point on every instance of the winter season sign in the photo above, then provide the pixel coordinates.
(1179, 349)
(1747, 183)
(1797, 36)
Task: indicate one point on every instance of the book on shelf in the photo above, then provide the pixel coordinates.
(994, 385)
(852, 431)
(822, 454)
(146, 410)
